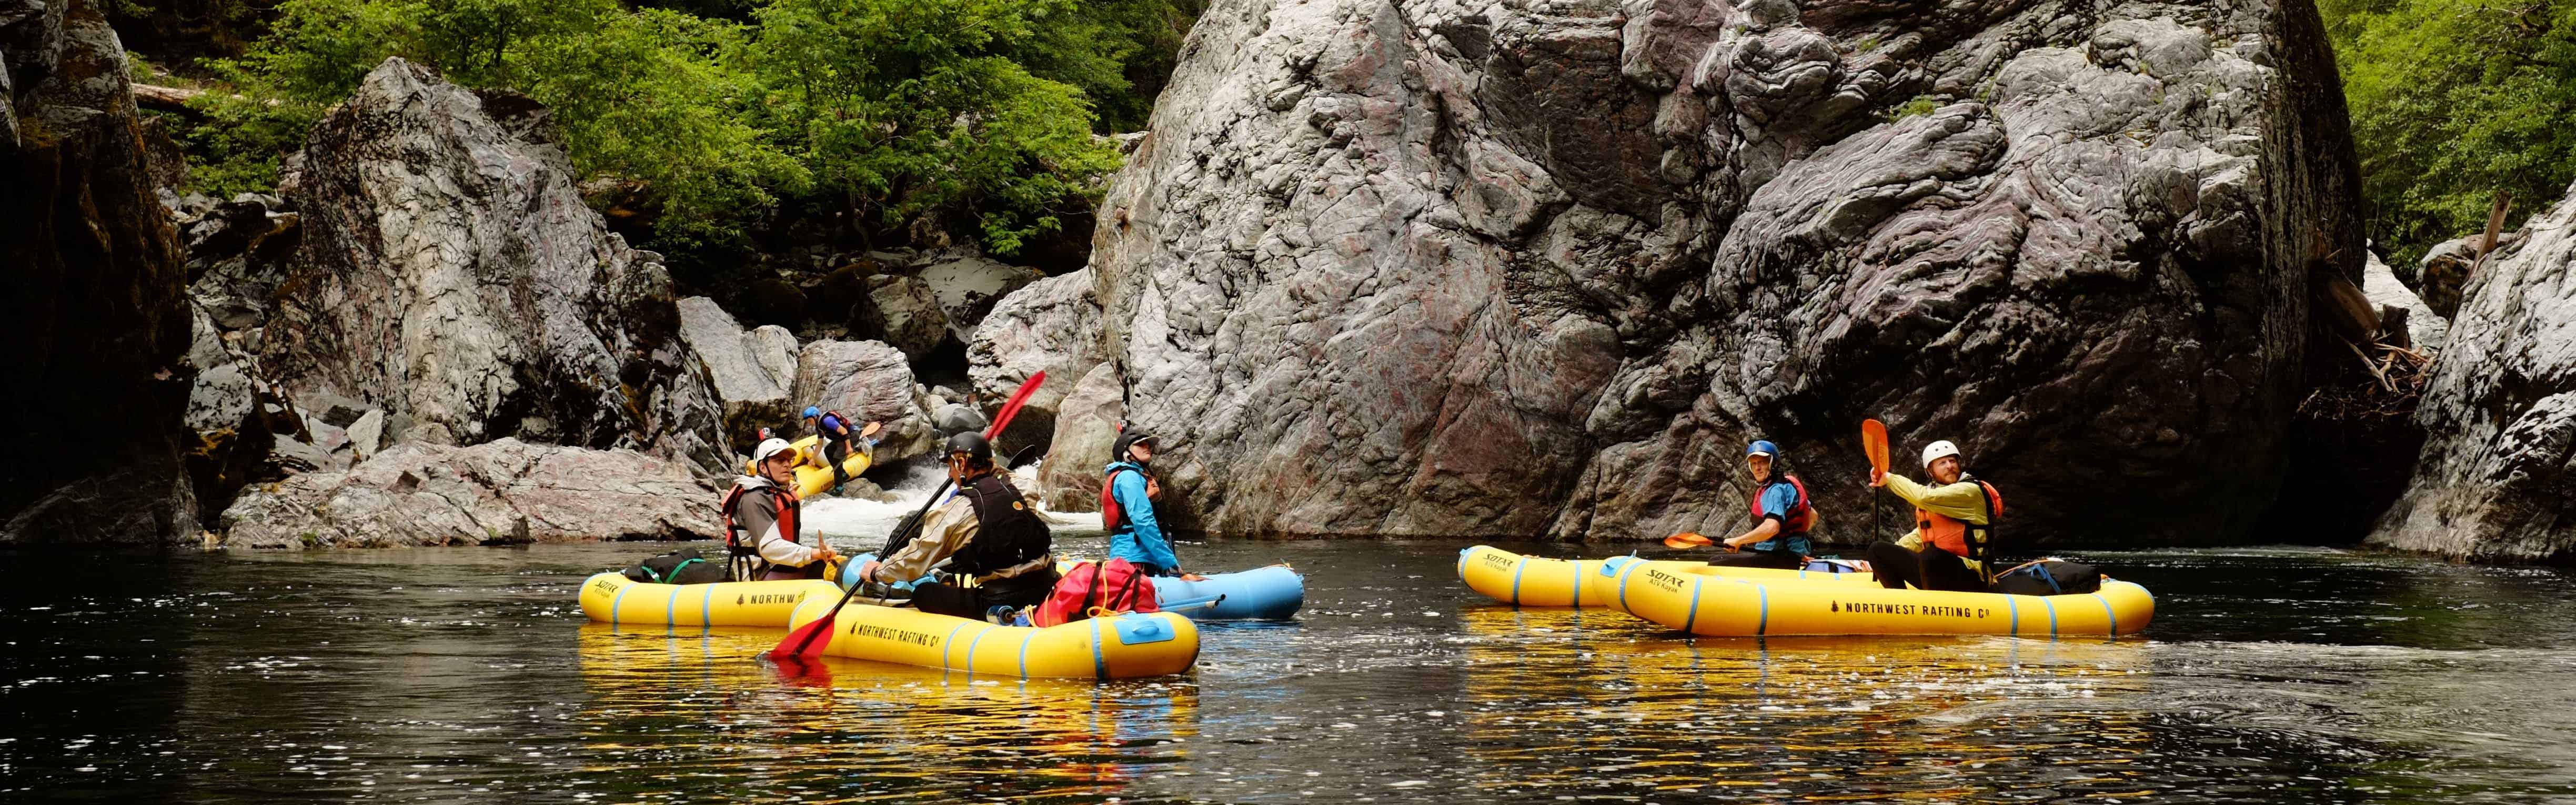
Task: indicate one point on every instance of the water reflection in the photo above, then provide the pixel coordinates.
(668, 708)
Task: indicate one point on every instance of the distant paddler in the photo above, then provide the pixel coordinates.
(1954, 527)
(761, 521)
(1127, 508)
(835, 438)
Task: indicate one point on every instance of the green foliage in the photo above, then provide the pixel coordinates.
(1918, 105)
(907, 112)
(969, 117)
(2453, 101)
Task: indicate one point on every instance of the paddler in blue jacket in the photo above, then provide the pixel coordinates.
(1781, 516)
(1127, 508)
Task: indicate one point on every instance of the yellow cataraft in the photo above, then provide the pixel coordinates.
(614, 598)
(1111, 647)
(1721, 606)
(1533, 581)
(813, 472)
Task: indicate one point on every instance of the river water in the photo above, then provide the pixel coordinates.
(468, 674)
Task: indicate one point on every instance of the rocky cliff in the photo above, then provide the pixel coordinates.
(2498, 476)
(1427, 267)
(93, 324)
(450, 276)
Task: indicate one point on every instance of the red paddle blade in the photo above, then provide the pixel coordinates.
(1873, 440)
(805, 641)
(1012, 408)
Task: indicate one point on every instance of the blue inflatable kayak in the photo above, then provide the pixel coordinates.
(1267, 593)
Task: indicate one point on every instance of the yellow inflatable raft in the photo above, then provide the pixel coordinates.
(814, 475)
(1720, 606)
(1532, 581)
(613, 598)
(1115, 647)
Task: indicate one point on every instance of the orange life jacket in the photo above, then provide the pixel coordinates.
(739, 542)
(1961, 537)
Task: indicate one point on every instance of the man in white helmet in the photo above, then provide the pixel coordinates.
(1953, 527)
(760, 517)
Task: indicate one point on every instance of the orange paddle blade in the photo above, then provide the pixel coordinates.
(1687, 539)
(1873, 440)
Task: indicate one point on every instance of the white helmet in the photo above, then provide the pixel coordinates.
(1936, 450)
(777, 446)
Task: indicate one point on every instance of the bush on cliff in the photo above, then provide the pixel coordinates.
(2452, 101)
(966, 117)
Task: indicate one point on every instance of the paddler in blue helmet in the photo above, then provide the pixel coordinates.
(1127, 507)
(835, 437)
(1782, 516)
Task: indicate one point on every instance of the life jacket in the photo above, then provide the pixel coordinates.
(1794, 523)
(1109, 587)
(1961, 537)
(1007, 534)
(834, 427)
(738, 540)
(1113, 516)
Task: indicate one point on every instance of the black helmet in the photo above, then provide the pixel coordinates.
(1128, 437)
(974, 445)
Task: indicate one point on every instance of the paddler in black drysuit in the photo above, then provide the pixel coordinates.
(987, 533)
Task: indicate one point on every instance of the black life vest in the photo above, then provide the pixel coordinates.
(1007, 533)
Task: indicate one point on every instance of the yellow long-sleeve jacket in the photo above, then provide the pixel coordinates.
(1964, 501)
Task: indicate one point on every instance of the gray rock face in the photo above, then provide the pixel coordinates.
(1086, 427)
(2425, 329)
(2438, 278)
(499, 492)
(968, 287)
(902, 312)
(1051, 326)
(94, 326)
(868, 382)
(450, 275)
(744, 366)
(2497, 481)
(1437, 268)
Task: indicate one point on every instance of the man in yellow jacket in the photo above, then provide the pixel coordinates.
(1953, 527)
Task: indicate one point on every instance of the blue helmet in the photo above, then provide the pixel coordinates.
(812, 412)
(1763, 448)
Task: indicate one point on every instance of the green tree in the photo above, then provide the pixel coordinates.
(2453, 101)
(908, 112)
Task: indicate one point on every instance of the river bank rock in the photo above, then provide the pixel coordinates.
(94, 325)
(751, 371)
(1086, 427)
(867, 381)
(2425, 328)
(1444, 269)
(500, 492)
(2496, 481)
(449, 274)
(902, 312)
(1052, 326)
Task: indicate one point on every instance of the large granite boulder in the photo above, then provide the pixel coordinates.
(1051, 326)
(2425, 328)
(2497, 481)
(751, 371)
(499, 492)
(967, 287)
(94, 324)
(1086, 427)
(1473, 269)
(2439, 277)
(868, 382)
(449, 274)
(902, 312)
